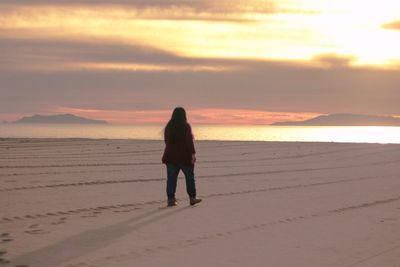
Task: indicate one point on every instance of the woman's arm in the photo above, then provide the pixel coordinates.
(165, 136)
(189, 140)
(190, 144)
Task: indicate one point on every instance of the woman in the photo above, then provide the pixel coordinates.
(179, 154)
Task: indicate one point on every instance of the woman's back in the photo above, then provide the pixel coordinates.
(179, 146)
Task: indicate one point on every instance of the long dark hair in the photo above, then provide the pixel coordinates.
(177, 125)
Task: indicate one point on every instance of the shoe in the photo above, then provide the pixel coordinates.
(194, 201)
(172, 202)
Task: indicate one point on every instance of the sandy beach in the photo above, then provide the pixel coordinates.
(79, 202)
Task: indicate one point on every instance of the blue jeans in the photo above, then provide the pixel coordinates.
(172, 178)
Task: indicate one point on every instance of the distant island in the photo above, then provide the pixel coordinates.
(61, 119)
(345, 119)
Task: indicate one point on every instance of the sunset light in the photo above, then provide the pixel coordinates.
(230, 133)
(243, 50)
(289, 30)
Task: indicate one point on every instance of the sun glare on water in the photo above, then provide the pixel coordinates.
(345, 134)
(358, 134)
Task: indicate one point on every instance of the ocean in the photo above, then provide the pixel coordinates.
(343, 134)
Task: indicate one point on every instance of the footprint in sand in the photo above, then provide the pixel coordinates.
(123, 211)
(58, 222)
(89, 216)
(3, 261)
(6, 240)
(36, 232)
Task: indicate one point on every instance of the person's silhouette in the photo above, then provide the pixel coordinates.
(179, 154)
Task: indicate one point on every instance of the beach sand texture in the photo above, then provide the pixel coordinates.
(77, 202)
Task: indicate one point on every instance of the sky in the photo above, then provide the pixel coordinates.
(226, 61)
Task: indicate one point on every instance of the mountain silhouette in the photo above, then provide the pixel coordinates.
(61, 118)
(345, 119)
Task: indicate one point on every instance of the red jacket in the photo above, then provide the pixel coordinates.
(181, 151)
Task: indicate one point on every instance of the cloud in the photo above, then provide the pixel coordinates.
(394, 25)
(207, 10)
(135, 56)
(197, 5)
(54, 55)
(200, 35)
(93, 51)
(334, 60)
(210, 29)
(325, 87)
(263, 86)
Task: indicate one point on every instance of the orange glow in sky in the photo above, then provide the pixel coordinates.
(206, 42)
(198, 116)
(279, 30)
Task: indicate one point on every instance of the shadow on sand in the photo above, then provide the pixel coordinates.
(92, 240)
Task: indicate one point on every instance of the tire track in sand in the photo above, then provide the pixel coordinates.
(243, 192)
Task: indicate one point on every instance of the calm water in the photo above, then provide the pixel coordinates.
(209, 132)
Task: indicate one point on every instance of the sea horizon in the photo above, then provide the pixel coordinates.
(208, 132)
